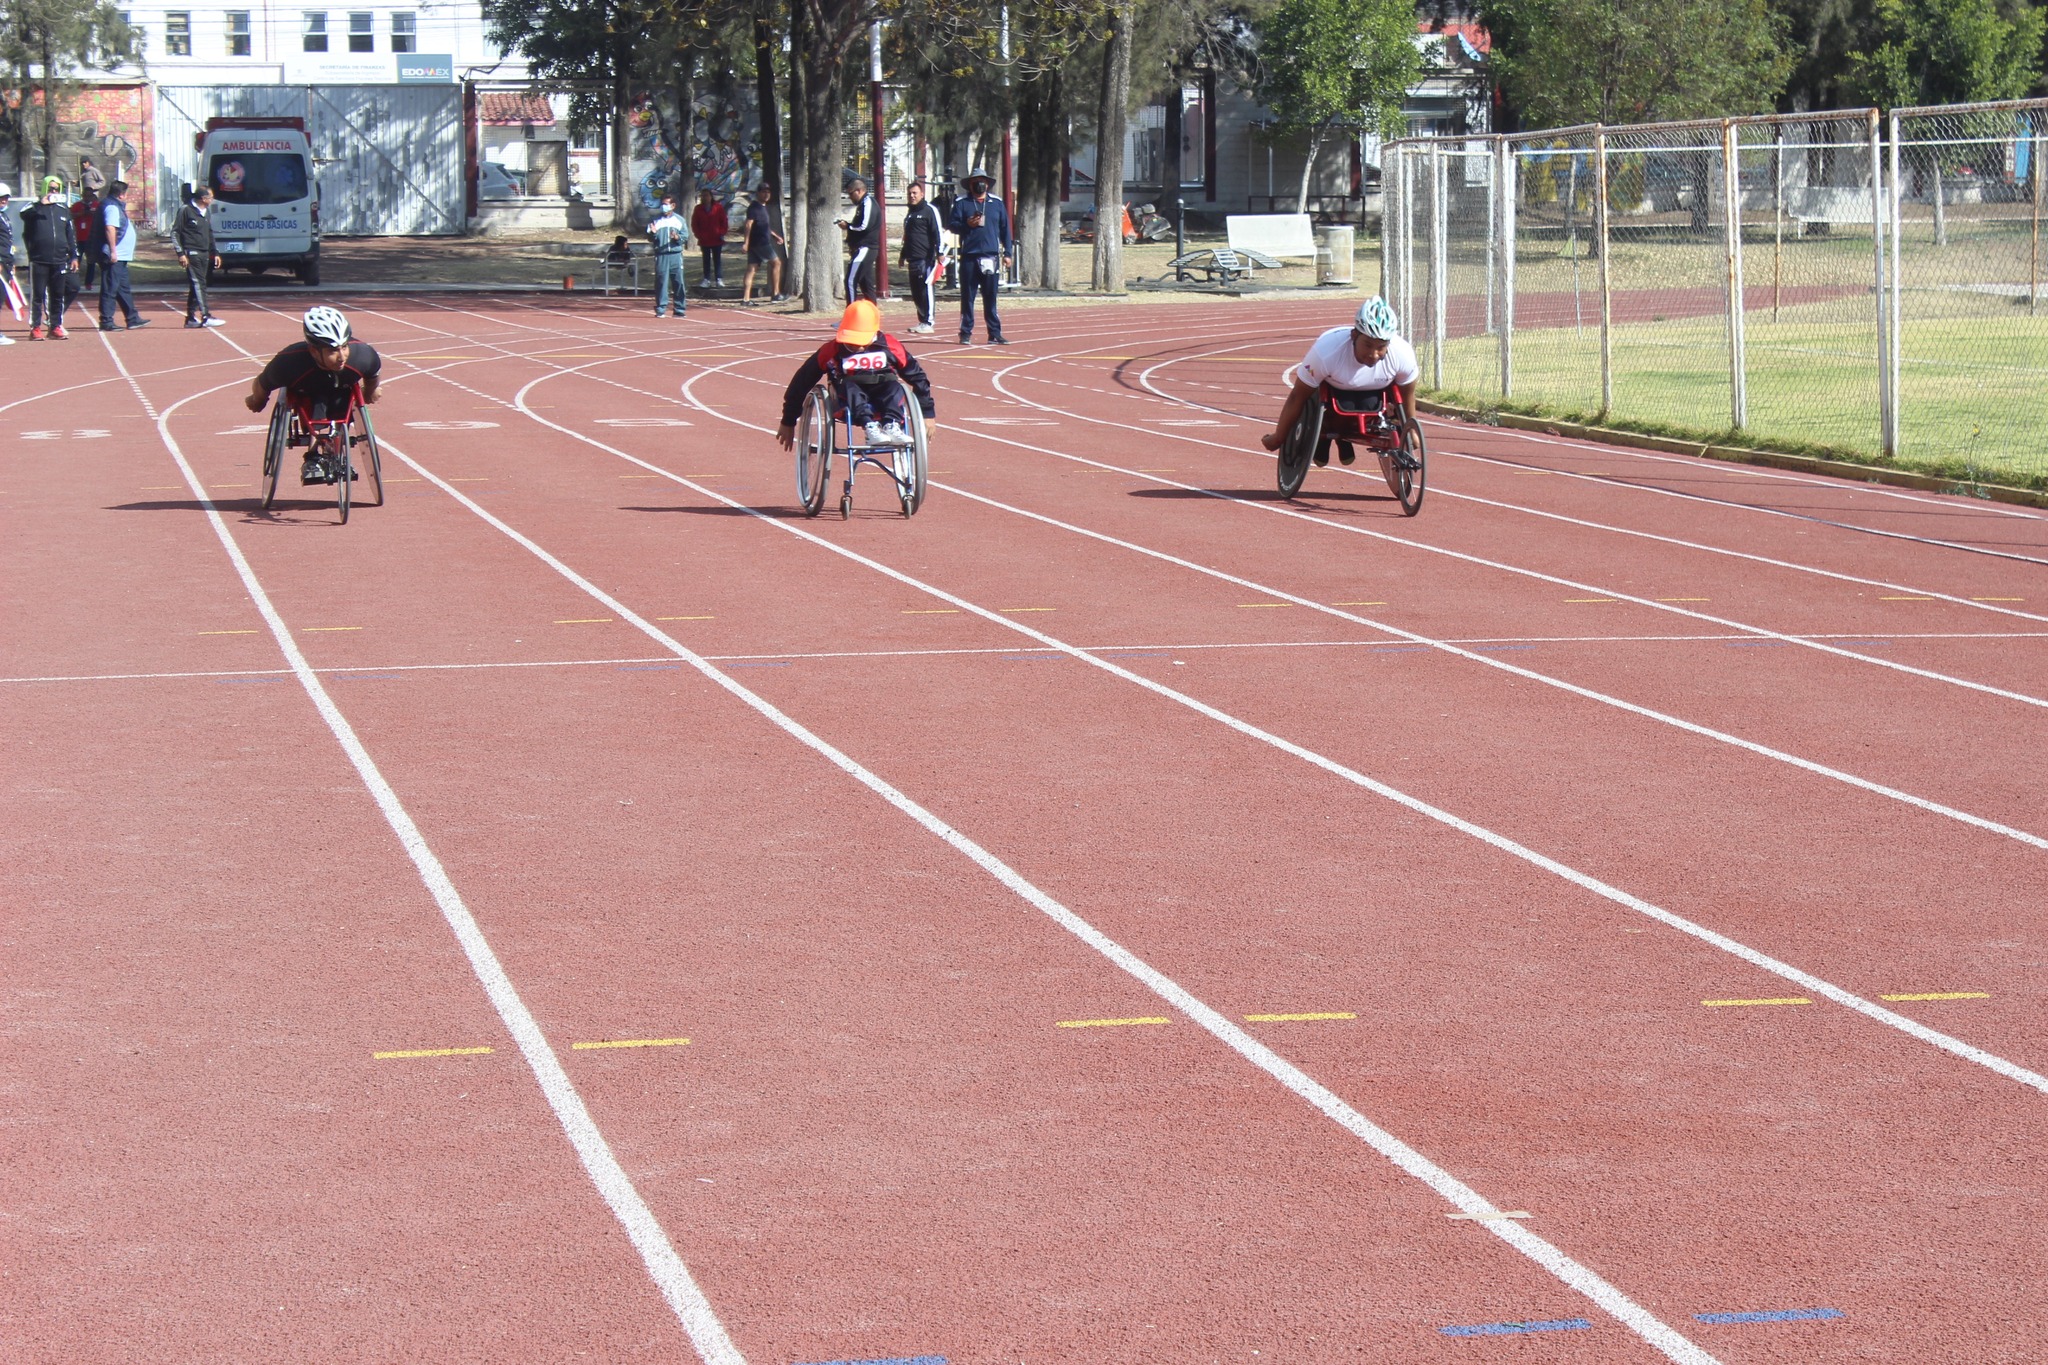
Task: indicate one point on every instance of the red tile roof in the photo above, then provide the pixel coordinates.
(510, 109)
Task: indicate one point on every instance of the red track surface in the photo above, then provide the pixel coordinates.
(867, 810)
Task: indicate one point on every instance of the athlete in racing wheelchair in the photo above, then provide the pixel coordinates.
(863, 377)
(327, 381)
(1356, 386)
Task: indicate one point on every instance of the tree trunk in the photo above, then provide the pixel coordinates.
(1056, 145)
(50, 112)
(764, 98)
(622, 134)
(1030, 198)
(679, 130)
(799, 200)
(823, 105)
(1111, 114)
(1308, 168)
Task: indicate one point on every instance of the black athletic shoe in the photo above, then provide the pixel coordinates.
(314, 470)
(998, 341)
(1345, 454)
(1322, 456)
(133, 323)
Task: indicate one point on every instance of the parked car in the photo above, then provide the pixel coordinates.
(495, 182)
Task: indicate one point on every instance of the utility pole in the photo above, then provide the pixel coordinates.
(881, 186)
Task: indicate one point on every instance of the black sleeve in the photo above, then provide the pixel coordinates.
(364, 360)
(806, 378)
(913, 375)
(285, 367)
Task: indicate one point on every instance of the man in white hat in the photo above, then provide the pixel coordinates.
(983, 225)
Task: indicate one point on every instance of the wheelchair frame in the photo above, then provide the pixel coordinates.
(1403, 455)
(906, 466)
(332, 439)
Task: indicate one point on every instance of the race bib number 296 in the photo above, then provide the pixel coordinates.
(865, 362)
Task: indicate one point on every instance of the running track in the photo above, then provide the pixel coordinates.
(974, 856)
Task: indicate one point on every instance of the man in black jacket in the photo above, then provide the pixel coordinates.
(924, 244)
(52, 242)
(863, 227)
(194, 235)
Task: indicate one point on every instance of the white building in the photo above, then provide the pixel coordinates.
(361, 42)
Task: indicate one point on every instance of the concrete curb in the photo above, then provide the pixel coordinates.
(1803, 464)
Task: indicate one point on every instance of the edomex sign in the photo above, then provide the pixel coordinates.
(415, 69)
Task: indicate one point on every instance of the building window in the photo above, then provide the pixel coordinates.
(178, 34)
(238, 33)
(362, 32)
(316, 32)
(404, 31)
(141, 33)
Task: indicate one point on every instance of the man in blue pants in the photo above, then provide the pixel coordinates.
(983, 226)
(669, 235)
(117, 239)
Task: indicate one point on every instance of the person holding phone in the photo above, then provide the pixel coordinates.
(983, 225)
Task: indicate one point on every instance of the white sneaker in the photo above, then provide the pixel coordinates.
(894, 434)
(6, 340)
(922, 328)
(873, 431)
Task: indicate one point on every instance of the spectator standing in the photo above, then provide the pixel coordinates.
(52, 243)
(669, 235)
(764, 244)
(7, 247)
(90, 178)
(983, 226)
(924, 243)
(863, 227)
(118, 242)
(709, 225)
(85, 218)
(194, 235)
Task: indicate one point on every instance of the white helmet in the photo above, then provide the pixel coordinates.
(1376, 319)
(327, 327)
(5, 193)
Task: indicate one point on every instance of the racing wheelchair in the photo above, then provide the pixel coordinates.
(816, 434)
(332, 440)
(1348, 419)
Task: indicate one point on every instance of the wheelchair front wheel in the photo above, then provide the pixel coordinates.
(813, 451)
(1300, 447)
(362, 435)
(1406, 469)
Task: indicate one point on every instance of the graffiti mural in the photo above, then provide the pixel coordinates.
(725, 148)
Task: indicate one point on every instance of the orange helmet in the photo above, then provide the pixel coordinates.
(861, 322)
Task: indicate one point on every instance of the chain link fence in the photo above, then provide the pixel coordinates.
(1845, 282)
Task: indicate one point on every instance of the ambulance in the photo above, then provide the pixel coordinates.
(266, 196)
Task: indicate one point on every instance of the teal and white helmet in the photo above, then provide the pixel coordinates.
(1376, 319)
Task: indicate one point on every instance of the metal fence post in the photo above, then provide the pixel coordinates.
(1493, 244)
(1407, 306)
(1893, 342)
(1506, 175)
(1887, 400)
(1731, 182)
(1600, 239)
(2034, 165)
(1439, 251)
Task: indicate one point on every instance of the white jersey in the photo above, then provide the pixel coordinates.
(1330, 361)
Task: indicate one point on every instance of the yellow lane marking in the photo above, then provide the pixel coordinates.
(1782, 1000)
(1265, 604)
(433, 1052)
(1297, 1018)
(310, 629)
(227, 632)
(1905, 599)
(585, 621)
(677, 618)
(1685, 599)
(1940, 995)
(931, 611)
(632, 1042)
(1018, 609)
(1490, 1217)
(401, 479)
(1106, 1023)
(1592, 599)
(1998, 599)
(1358, 604)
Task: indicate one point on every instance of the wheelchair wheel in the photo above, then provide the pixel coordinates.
(362, 437)
(342, 468)
(913, 462)
(814, 451)
(273, 451)
(1300, 447)
(1406, 470)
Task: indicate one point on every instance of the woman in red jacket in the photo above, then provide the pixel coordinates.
(708, 224)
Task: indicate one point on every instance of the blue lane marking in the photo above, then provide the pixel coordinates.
(890, 1360)
(1865, 644)
(1503, 1329)
(761, 663)
(1496, 649)
(1775, 1315)
(1154, 655)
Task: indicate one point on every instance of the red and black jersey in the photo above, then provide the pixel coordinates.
(878, 362)
(324, 393)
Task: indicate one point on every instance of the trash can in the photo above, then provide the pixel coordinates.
(1334, 247)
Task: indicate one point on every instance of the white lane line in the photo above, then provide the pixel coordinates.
(1411, 1161)
(664, 1266)
(1574, 584)
(1225, 646)
(1421, 641)
(1847, 999)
